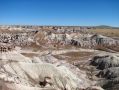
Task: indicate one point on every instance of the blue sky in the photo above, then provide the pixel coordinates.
(60, 12)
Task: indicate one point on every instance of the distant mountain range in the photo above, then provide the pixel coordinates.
(105, 26)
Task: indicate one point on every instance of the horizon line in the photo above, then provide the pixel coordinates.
(55, 25)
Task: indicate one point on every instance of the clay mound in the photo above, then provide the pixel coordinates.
(109, 73)
(48, 59)
(100, 39)
(40, 76)
(110, 84)
(97, 36)
(111, 81)
(94, 88)
(107, 61)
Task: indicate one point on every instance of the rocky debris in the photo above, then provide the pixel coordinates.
(104, 62)
(6, 47)
(67, 29)
(19, 38)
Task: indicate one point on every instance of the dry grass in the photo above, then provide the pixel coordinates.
(10, 31)
(115, 48)
(29, 54)
(106, 32)
(107, 48)
(77, 54)
(74, 56)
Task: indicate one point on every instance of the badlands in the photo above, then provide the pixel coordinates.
(59, 58)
